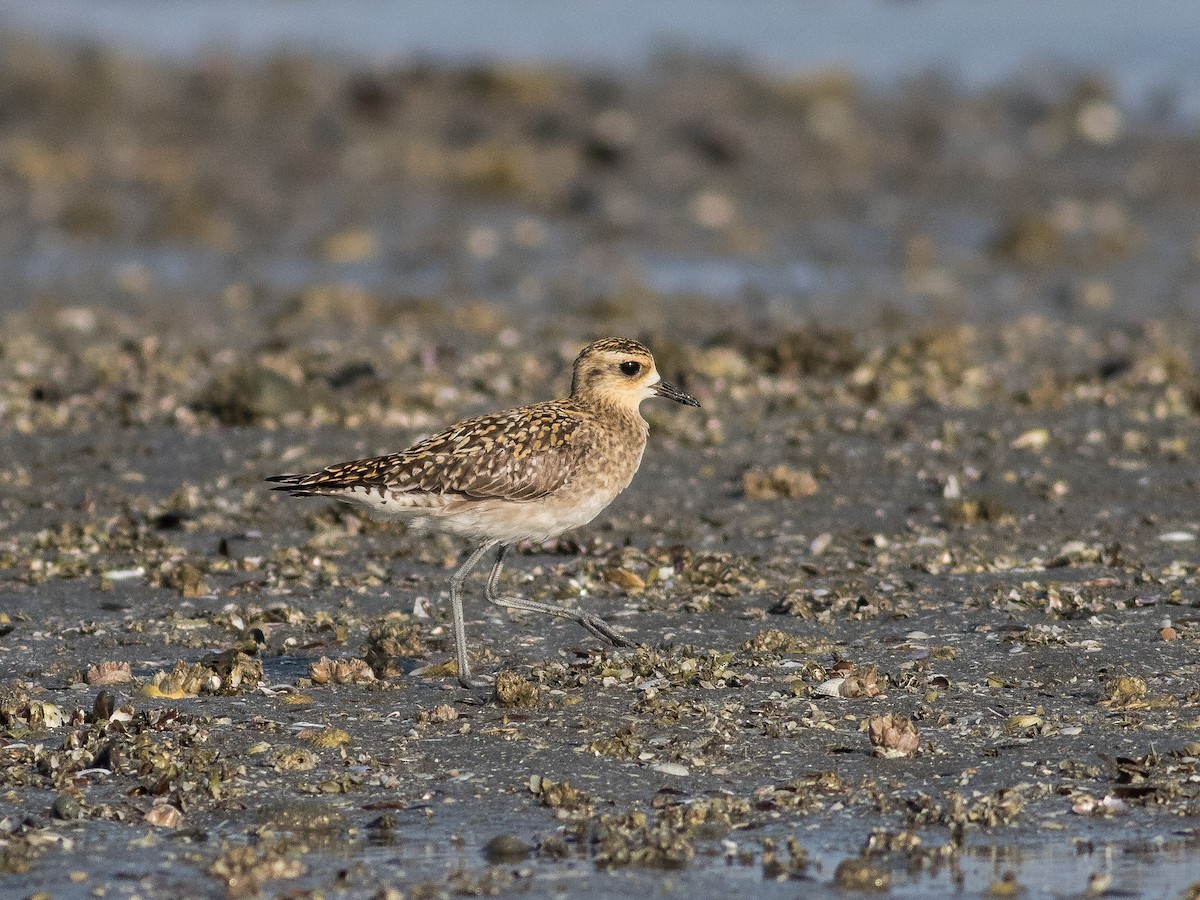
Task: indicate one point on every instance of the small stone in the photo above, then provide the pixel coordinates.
(328, 738)
(188, 581)
(506, 848)
(1005, 886)
(102, 708)
(778, 482)
(66, 808)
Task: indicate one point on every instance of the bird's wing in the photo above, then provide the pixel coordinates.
(522, 454)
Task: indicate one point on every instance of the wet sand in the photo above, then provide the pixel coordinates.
(941, 493)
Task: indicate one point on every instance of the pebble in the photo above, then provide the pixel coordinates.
(670, 768)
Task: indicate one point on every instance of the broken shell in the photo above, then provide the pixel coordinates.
(123, 574)
(1021, 723)
(893, 736)
(297, 759)
(1106, 806)
(107, 673)
(625, 578)
(51, 716)
(670, 768)
(1124, 689)
(830, 688)
(1034, 439)
(1177, 537)
(340, 671)
(164, 815)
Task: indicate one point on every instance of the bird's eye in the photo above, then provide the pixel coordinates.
(631, 367)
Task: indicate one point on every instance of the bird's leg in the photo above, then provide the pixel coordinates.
(460, 628)
(594, 624)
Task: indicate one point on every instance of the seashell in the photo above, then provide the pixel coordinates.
(164, 815)
(830, 688)
(52, 716)
(123, 574)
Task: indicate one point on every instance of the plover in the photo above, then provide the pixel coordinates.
(527, 474)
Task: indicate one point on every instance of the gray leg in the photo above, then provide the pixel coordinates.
(594, 624)
(460, 628)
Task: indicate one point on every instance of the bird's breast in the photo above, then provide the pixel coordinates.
(611, 457)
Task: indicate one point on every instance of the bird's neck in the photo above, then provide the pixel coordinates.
(611, 407)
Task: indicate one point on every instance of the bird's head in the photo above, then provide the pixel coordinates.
(620, 372)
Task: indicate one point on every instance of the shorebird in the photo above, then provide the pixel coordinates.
(526, 474)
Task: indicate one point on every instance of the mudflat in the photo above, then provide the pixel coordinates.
(915, 592)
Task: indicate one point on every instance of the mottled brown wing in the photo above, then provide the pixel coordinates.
(521, 454)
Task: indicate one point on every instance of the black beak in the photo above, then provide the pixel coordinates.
(671, 392)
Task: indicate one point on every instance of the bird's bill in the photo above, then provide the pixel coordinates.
(662, 389)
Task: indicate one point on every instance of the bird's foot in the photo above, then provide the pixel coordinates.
(476, 682)
(593, 624)
(604, 631)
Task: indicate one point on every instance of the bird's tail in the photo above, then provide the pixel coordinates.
(295, 485)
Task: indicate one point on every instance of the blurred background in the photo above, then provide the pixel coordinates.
(263, 172)
(1145, 49)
